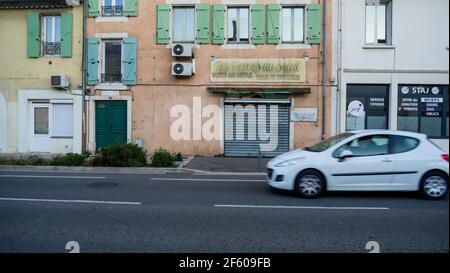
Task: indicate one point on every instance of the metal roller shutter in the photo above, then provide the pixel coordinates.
(237, 140)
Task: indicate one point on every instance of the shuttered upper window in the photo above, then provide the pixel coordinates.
(112, 8)
(184, 25)
(378, 22)
(51, 35)
(293, 24)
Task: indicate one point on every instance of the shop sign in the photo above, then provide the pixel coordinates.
(429, 100)
(304, 114)
(356, 108)
(258, 70)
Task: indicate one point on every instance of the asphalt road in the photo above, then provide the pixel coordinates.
(41, 212)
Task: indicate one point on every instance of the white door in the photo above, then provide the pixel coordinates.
(40, 125)
(370, 168)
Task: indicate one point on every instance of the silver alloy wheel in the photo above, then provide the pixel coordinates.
(435, 186)
(310, 185)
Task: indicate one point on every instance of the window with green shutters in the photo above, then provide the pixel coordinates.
(163, 21)
(33, 35)
(218, 24)
(203, 24)
(93, 61)
(258, 24)
(273, 23)
(314, 23)
(129, 61)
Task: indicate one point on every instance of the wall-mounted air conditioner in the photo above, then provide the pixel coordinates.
(183, 69)
(182, 50)
(59, 81)
(73, 2)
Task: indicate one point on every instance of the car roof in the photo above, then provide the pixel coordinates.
(389, 132)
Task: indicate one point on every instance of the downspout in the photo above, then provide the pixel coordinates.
(324, 73)
(83, 77)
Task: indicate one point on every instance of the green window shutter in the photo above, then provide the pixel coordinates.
(33, 35)
(273, 23)
(218, 22)
(131, 8)
(66, 35)
(93, 8)
(129, 61)
(92, 65)
(314, 23)
(203, 24)
(162, 32)
(258, 24)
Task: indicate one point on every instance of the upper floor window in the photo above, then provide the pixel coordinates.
(183, 24)
(112, 8)
(378, 22)
(112, 61)
(51, 35)
(238, 25)
(293, 25)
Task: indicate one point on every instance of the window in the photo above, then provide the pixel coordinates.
(41, 121)
(112, 61)
(423, 109)
(378, 21)
(183, 25)
(293, 25)
(366, 146)
(51, 35)
(403, 144)
(238, 26)
(112, 8)
(324, 145)
(367, 107)
(62, 120)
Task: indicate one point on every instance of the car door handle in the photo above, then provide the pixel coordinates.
(386, 160)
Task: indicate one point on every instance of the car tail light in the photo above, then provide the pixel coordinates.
(445, 157)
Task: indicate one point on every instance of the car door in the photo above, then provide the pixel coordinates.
(369, 167)
(408, 160)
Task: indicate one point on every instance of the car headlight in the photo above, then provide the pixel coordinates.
(289, 162)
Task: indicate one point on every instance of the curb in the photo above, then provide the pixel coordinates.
(119, 170)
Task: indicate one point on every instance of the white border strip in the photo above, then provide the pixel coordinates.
(71, 201)
(301, 207)
(52, 176)
(208, 180)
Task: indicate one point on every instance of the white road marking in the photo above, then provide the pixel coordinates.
(71, 201)
(52, 176)
(208, 180)
(301, 207)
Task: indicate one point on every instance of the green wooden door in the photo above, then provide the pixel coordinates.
(110, 123)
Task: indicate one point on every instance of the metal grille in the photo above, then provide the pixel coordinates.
(111, 78)
(110, 11)
(241, 145)
(51, 48)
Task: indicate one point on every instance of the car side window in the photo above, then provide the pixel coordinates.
(366, 146)
(403, 144)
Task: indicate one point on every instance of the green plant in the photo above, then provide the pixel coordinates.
(4, 161)
(69, 159)
(163, 159)
(35, 160)
(125, 155)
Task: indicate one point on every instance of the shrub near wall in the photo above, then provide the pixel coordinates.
(163, 159)
(126, 155)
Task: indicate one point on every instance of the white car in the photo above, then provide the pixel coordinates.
(369, 160)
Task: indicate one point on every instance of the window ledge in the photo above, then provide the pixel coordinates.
(111, 86)
(293, 46)
(379, 47)
(111, 19)
(238, 46)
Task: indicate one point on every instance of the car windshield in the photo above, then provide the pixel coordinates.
(324, 145)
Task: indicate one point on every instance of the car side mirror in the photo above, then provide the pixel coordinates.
(344, 154)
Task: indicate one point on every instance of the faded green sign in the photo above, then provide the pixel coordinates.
(258, 70)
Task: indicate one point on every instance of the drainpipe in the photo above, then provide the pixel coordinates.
(324, 80)
(83, 78)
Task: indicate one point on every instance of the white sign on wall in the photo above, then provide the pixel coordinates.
(304, 114)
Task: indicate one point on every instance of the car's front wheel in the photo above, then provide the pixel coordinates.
(310, 184)
(434, 185)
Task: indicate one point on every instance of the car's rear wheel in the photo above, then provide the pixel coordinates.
(310, 184)
(434, 185)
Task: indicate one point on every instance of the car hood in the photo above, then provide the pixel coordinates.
(294, 154)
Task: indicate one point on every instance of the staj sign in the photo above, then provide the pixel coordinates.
(258, 70)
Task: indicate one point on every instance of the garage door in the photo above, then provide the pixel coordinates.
(254, 125)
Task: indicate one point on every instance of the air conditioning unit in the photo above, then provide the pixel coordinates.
(183, 69)
(59, 81)
(182, 50)
(73, 2)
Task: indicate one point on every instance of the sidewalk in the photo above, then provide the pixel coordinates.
(227, 164)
